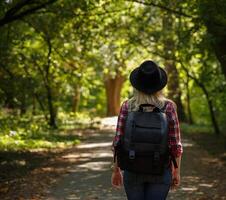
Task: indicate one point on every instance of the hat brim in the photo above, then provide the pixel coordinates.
(137, 83)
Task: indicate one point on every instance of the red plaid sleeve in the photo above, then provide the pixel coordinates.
(121, 122)
(174, 140)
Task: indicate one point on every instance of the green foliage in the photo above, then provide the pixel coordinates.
(62, 54)
(27, 133)
(199, 107)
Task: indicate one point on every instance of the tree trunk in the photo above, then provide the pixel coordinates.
(41, 106)
(113, 87)
(52, 111)
(209, 101)
(190, 119)
(33, 105)
(173, 86)
(23, 107)
(76, 98)
(211, 109)
(174, 91)
(48, 86)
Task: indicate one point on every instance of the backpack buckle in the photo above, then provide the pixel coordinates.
(131, 154)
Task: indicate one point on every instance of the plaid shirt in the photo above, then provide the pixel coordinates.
(174, 139)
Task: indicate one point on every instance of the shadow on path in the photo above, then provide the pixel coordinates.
(89, 177)
(201, 175)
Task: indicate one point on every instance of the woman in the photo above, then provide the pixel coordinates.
(148, 80)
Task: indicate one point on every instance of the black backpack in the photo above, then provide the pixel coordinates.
(144, 146)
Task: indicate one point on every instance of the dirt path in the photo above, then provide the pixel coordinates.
(89, 176)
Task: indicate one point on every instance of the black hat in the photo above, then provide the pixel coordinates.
(148, 77)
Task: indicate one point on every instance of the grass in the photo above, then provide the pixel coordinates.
(37, 141)
(29, 132)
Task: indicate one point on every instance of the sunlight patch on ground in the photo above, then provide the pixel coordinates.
(94, 145)
(80, 156)
(206, 185)
(189, 189)
(187, 143)
(192, 178)
(109, 121)
(92, 176)
(102, 155)
(71, 156)
(15, 162)
(95, 166)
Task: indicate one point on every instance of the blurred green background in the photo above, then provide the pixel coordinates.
(64, 64)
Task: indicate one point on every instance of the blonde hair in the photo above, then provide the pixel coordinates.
(157, 99)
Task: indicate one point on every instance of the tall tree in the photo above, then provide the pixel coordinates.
(169, 50)
(214, 17)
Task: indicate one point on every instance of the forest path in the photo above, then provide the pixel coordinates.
(89, 176)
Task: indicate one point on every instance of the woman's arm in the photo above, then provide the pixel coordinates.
(174, 142)
(115, 167)
(178, 160)
(116, 178)
(176, 174)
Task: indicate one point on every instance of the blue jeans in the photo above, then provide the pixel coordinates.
(138, 187)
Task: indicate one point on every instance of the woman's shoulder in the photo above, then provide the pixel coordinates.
(125, 102)
(124, 105)
(170, 105)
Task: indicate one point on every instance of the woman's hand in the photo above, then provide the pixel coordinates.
(116, 178)
(175, 179)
